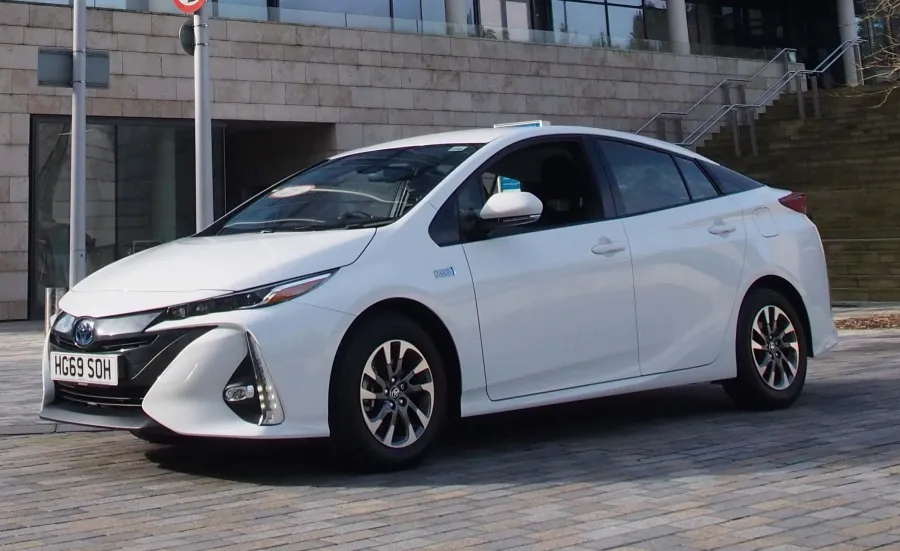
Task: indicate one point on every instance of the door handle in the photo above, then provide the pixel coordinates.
(721, 229)
(605, 246)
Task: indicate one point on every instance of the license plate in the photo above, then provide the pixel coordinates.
(92, 369)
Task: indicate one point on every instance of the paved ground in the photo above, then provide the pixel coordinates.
(661, 471)
(20, 381)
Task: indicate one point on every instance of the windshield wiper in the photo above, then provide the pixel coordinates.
(371, 223)
(367, 223)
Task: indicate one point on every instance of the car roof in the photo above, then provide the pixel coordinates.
(487, 135)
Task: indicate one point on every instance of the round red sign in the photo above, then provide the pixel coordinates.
(189, 6)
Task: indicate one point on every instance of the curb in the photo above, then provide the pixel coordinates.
(44, 428)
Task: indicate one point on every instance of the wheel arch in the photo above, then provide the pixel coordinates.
(788, 291)
(432, 324)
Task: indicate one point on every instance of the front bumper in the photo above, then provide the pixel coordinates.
(174, 375)
(74, 414)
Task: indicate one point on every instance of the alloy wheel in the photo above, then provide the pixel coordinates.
(775, 347)
(397, 394)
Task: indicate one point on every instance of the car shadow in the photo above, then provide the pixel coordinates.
(686, 431)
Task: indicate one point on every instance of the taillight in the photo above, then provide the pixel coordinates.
(795, 201)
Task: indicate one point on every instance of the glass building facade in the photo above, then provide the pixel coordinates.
(717, 27)
(140, 192)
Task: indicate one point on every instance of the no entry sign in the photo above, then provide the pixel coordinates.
(189, 6)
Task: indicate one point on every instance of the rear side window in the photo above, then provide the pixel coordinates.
(697, 182)
(730, 181)
(647, 180)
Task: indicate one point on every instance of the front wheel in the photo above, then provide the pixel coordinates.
(771, 353)
(388, 397)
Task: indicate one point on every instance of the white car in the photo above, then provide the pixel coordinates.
(378, 295)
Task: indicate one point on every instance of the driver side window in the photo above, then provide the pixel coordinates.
(556, 172)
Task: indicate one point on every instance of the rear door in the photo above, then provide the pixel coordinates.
(687, 245)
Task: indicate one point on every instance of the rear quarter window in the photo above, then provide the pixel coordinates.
(729, 181)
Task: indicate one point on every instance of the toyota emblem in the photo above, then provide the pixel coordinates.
(83, 333)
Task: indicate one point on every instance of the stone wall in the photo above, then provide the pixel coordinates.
(372, 86)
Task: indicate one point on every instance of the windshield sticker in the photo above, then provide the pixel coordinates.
(291, 191)
(509, 184)
(456, 148)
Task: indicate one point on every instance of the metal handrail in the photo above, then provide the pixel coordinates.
(772, 91)
(783, 52)
(714, 119)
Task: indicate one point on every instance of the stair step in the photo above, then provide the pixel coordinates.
(800, 149)
(840, 294)
(841, 269)
(872, 233)
(841, 257)
(862, 245)
(879, 282)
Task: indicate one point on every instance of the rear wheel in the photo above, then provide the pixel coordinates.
(770, 351)
(388, 395)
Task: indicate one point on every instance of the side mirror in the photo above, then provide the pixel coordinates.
(510, 209)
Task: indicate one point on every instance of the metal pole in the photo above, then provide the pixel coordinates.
(751, 121)
(817, 104)
(202, 119)
(77, 205)
(735, 132)
(860, 70)
(787, 68)
(801, 111)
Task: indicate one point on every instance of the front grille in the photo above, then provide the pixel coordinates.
(142, 359)
(128, 342)
(97, 396)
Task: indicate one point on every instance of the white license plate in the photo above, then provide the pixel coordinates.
(92, 369)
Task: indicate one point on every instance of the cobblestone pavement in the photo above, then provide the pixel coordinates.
(20, 379)
(660, 471)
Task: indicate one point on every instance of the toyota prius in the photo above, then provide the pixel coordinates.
(380, 294)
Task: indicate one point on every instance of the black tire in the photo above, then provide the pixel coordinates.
(749, 390)
(355, 445)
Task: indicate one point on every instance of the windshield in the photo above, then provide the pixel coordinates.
(362, 190)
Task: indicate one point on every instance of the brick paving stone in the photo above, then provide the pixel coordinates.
(673, 470)
(20, 351)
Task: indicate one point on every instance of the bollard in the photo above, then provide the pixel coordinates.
(52, 295)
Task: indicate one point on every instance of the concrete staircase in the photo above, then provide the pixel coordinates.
(848, 163)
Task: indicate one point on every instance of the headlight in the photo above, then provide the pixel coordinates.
(63, 322)
(258, 297)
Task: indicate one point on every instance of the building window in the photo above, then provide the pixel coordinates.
(139, 193)
(588, 20)
(376, 8)
(626, 26)
(656, 20)
(506, 19)
(617, 23)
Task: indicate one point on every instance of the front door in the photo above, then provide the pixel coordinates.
(555, 299)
